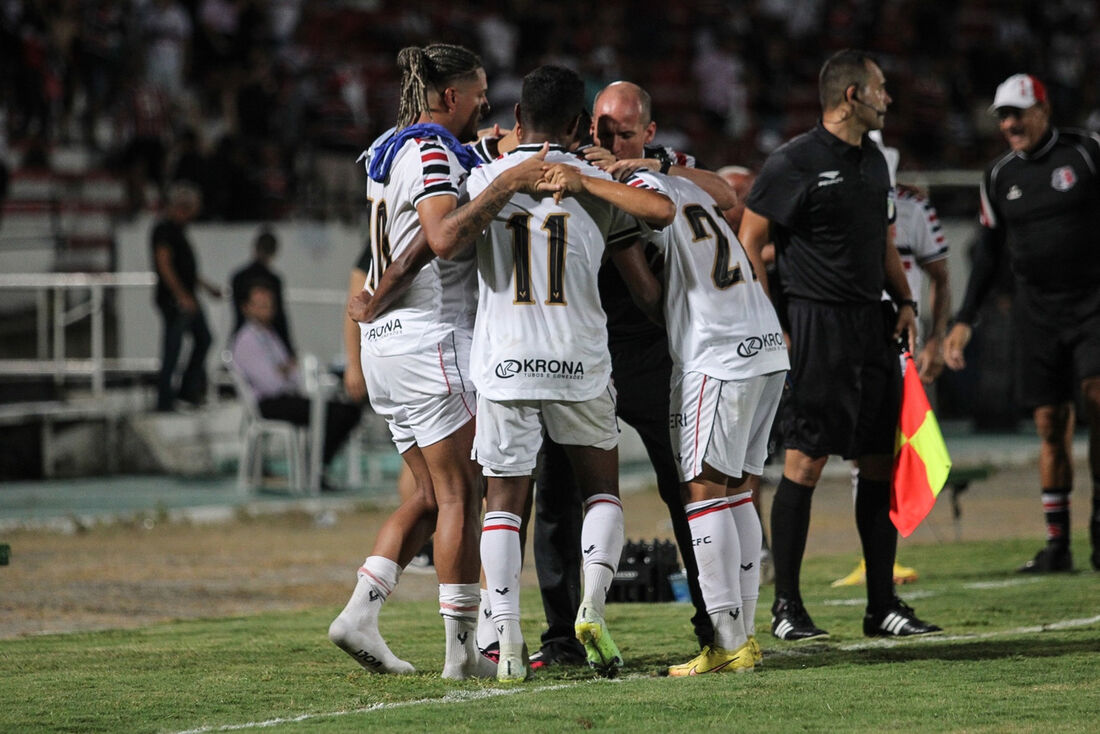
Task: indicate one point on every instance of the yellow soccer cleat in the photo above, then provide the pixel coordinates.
(716, 660)
(601, 651)
(757, 653)
(858, 577)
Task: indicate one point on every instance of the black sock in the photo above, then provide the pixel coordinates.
(790, 525)
(1056, 514)
(1094, 520)
(879, 539)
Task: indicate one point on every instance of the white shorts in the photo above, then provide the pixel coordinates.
(425, 396)
(509, 432)
(724, 423)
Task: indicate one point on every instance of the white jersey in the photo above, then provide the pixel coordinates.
(441, 297)
(541, 333)
(919, 239)
(720, 321)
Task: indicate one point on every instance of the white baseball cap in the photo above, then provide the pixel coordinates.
(1020, 91)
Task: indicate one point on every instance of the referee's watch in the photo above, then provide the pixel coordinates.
(911, 303)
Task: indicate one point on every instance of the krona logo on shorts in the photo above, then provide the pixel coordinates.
(753, 345)
(386, 329)
(531, 367)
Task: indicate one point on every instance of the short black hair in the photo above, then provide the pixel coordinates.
(266, 244)
(551, 99)
(840, 71)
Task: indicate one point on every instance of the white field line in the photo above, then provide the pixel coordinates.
(465, 696)
(1004, 584)
(452, 697)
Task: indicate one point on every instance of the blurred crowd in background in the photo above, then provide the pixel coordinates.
(265, 104)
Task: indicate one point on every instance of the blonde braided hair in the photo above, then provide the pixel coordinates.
(431, 67)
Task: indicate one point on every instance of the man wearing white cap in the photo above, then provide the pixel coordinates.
(1040, 207)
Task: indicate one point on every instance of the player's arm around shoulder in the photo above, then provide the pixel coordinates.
(459, 228)
(653, 208)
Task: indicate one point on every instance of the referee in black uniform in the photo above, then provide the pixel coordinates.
(1040, 206)
(825, 200)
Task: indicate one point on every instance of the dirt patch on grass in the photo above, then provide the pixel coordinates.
(124, 576)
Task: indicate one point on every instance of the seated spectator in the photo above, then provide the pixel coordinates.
(272, 373)
(259, 272)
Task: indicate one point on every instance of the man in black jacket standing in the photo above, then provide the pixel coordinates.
(1040, 207)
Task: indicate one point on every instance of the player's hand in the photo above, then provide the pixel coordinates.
(955, 344)
(561, 179)
(599, 157)
(493, 132)
(930, 360)
(357, 306)
(354, 383)
(623, 169)
(187, 303)
(907, 324)
(527, 175)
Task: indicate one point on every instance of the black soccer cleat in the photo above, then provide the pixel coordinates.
(1050, 559)
(792, 623)
(899, 620)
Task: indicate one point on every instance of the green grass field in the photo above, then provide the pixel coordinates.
(1019, 654)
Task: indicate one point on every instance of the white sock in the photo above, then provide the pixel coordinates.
(486, 632)
(458, 606)
(501, 560)
(601, 547)
(355, 629)
(751, 536)
(718, 553)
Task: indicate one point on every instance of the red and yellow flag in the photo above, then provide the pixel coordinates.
(921, 461)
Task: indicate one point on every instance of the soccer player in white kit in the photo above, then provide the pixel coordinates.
(416, 359)
(729, 364)
(540, 360)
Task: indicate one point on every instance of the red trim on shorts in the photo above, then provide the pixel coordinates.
(443, 368)
(467, 407)
(698, 416)
(499, 527)
(738, 503)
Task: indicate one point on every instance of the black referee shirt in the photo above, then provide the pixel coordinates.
(830, 204)
(1047, 205)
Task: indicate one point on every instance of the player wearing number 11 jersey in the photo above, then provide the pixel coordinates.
(540, 360)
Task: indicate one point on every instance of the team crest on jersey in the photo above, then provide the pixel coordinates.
(562, 369)
(1063, 178)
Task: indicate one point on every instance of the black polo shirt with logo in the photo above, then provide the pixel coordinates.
(1046, 205)
(830, 204)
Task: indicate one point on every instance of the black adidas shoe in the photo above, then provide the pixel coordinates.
(565, 652)
(792, 623)
(899, 620)
(1051, 559)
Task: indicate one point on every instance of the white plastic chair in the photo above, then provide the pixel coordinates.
(255, 428)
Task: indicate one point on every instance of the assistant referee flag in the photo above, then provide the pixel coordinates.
(921, 462)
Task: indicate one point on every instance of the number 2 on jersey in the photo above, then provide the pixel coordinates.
(722, 274)
(555, 227)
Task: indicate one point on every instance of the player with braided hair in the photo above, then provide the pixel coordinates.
(415, 355)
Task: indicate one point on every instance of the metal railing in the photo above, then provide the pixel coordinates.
(50, 325)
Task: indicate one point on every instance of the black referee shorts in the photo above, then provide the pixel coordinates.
(845, 379)
(1058, 341)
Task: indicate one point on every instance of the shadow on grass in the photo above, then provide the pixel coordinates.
(949, 650)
